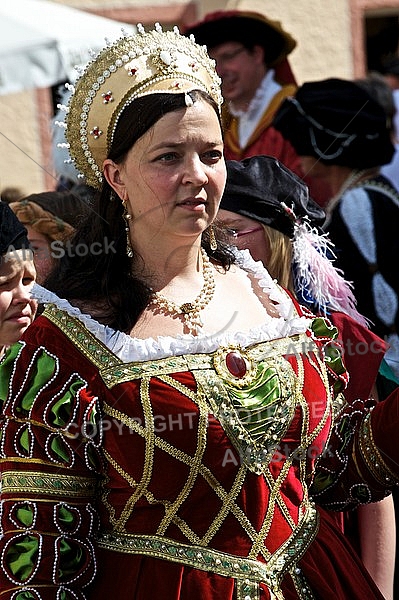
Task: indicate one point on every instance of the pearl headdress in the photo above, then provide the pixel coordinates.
(135, 65)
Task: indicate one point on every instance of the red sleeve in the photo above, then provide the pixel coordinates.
(384, 425)
(363, 352)
(50, 461)
(351, 470)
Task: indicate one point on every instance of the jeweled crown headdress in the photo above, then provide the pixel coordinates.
(136, 65)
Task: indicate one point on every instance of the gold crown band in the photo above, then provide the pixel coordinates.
(133, 66)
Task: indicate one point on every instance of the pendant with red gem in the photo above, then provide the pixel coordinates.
(234, 365)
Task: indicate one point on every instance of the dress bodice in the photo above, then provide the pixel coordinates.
(190, 458)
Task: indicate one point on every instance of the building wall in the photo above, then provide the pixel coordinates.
(24, 154)
(330, 36)
(322, 31)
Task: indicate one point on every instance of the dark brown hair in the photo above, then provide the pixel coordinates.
(103, 283)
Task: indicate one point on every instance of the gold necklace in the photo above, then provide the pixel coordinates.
(190, 310)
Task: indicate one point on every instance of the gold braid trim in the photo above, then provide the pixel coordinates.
(248, 573)
(113, 371)
(372, 456)
(42, 483)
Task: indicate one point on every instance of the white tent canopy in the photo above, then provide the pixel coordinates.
(42, 41)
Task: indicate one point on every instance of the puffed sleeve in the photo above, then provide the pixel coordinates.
(351, 470)
(357, 465)
(50, 462)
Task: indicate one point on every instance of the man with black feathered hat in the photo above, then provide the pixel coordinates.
(343, 136)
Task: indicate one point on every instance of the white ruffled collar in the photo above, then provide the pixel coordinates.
(266, 91)
(129, 349)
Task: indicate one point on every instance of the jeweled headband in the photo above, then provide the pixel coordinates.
(145, 63)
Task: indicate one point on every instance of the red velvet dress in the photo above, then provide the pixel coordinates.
(180, 477)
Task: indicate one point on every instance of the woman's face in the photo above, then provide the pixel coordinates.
(44, 262)
(17, 309)
(247, 234)
(174, 175)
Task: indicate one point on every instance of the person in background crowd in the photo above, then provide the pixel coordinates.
(268, 211)
(247, 46)
(382, 87)
(10, 194)
(165, 417)
(390, 72)
(251, 53)
(50, 219)
(378, 88)
(342, 133)
(17, 276)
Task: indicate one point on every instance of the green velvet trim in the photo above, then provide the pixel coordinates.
(72, 559)
(321, 329)
(63, 595)
(323, 481)
(60, 449)
(362, 493)
(257, 403)
(26, 595)
(21, 557)
(24, 514)
(333, 353)
(6, 369)
(66, 518)
(93, 457)
(41, 373)
(62, 410)
(24, 441)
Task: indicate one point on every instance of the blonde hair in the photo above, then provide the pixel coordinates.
(42, 221)
(280, 262)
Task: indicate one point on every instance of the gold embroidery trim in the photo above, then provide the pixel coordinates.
(42, 483)
(248, 590)
(221, 563)
(122, 372)
(113, 371)
(372, 456)
(227, 497)
(301, 585)
(87, 343)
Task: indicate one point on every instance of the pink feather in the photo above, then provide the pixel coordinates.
(317, 275)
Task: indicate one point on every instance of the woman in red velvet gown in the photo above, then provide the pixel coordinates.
(163, 419)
